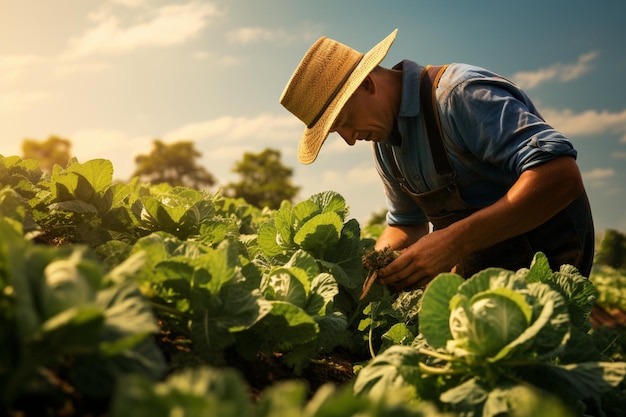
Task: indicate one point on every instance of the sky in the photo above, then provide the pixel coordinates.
(114, 75)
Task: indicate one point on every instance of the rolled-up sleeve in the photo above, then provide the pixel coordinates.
(498, 123)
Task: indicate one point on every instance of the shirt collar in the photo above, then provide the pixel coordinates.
(409, 102)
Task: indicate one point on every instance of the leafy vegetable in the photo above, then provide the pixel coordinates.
(498, 334)
(57, 307)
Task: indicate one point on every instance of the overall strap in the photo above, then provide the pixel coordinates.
(428, 88)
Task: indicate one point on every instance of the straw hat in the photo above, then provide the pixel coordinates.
(327, 76)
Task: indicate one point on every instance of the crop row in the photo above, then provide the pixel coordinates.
(118, 296)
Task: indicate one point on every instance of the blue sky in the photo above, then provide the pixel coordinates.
(113, 75)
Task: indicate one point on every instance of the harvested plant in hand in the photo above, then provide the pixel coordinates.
(373, 260)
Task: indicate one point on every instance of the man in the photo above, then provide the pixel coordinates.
(497, 182)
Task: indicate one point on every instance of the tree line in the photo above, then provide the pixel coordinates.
(264, 180)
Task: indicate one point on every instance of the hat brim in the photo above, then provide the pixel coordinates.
(313, 138)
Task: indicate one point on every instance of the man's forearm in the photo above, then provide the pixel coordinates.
(538, 195)
(400, 237)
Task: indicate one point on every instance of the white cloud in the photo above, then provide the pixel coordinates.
(558, 71)
(255, 34)
(265, 127)
(130, 3)
(598, 174)
(68, 68)
(360, 175)
(14, 66)
(363, 175)
(248, 35)
(165, 26)
(590, 122)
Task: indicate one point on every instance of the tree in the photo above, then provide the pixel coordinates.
(612, 250)
(174, 164)
(265, 181)
(53, 151)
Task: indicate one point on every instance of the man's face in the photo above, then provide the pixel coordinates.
(364, 117)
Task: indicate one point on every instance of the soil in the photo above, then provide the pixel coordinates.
(268, 370)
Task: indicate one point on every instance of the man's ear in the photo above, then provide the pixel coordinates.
(368, 84)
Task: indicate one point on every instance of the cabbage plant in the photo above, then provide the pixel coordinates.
(498, 341)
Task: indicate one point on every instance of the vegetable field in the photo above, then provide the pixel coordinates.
(121, 299)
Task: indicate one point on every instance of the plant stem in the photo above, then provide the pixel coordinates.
(438, 371)
(437, 355)
(167, 309)
(371, 333)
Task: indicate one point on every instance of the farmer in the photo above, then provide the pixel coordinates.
(497, 183)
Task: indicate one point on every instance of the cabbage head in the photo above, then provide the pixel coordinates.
(494, 314)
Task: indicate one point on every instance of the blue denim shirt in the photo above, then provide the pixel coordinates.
(491, 131)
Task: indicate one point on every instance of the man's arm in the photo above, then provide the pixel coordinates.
(401, 236)
(538, 194)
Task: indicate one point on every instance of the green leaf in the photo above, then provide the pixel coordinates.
(332, 331)
(324, 288)
(285, 326)
(467, 397)
(344, 259)
(552, 321)
(97, 172)
(492, 278)
(282, 284)
(539, 270)
(284, 222)
(435, 311)
(15, 252)
(489, 320)
(283, 399)
(398, 334)
(156, 216)
(75, 330)
(331, 201)
(74, 206)
(63, 187)
(394, 370)
(303, 260)
(222, 266)
(319, 233)
(217, 316)
(553, 335)
(200, 391)
(267, 240)
(592, 379)
(302, 212)
(522, 400)
(128, 315)
(579, 293)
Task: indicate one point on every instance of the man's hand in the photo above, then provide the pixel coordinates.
(418, 264)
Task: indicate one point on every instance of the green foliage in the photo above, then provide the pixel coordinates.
(218, 392)
(173, 164)
(609, 271)
(56, 309)
(498, 340)
(317, 225)
(265, 181)
(139, 280)
(53, 151)
(612, 250)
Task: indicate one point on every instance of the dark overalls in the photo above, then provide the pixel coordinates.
(566, 238)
